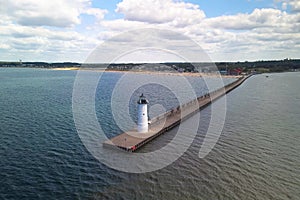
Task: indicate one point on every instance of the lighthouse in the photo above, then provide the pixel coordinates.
(142, 114)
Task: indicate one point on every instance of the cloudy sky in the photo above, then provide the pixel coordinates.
(228, 30)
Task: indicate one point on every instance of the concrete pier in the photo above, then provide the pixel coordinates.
(133, 140)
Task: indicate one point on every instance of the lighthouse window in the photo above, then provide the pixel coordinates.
(143, 113)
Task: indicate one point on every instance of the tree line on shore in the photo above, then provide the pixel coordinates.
(246, 67)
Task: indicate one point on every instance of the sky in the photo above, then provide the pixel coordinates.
(227, 30)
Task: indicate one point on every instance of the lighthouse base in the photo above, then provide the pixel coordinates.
(142, 129)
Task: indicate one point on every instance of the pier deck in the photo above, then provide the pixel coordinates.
(133, 140)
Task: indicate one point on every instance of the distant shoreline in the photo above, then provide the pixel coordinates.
(232, 68)
(175, 73)
(64, 68)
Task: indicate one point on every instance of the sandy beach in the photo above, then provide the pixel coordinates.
(170, 73)
(66, 68)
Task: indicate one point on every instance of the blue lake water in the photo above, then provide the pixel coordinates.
(42, 157)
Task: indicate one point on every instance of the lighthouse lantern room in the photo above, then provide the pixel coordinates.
(142, 114)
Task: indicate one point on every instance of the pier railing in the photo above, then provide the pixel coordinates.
(211, 95)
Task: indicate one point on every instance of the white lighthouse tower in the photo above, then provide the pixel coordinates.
(142, 114)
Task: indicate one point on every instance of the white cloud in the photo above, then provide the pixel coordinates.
(230, 37)
(59, 13)
(30, 26)
(18, 31)
(50, 28)
(25, 42)
(177, 13)
(258, 18)
(4, 46)
(98, 13)
(120, 25)
(293, 4)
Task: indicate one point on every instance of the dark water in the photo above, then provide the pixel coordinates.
(42, 157)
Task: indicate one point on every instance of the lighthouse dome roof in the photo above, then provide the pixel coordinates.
(143, 100)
